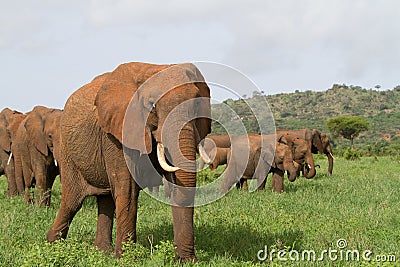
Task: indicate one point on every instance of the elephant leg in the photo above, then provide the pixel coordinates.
(73, 194)
(52, 173)
(29, 198)
(19, 177)
(41, 186)
(238, 185)
(277, 177)
(27, 178)
(105, 217)
(243, 183)
(330, 166)
(126, 195)
(261, 185)
(272, 181)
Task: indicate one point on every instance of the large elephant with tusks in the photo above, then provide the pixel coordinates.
(140, 112)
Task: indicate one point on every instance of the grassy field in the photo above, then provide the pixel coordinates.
(359, 205)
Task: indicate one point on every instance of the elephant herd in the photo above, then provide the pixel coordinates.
(29, 147)
(255, 156)
(134, 128)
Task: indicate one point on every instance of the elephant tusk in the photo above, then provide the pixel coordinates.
(309, 166)
(203, 155)
(162, 161)
(9, 159)
(55, 162)
(332, 155)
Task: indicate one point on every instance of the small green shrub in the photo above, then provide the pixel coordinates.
(352, 154)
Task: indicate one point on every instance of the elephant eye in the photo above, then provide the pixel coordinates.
(50, 136)
(152, 104)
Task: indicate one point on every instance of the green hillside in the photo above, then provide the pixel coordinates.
(311, 109)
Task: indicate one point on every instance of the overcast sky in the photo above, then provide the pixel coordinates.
(50, 48)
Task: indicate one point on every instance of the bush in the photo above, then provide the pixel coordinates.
(352, 154)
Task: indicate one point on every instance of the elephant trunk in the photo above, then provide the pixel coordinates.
(183, 195)
(309, 167)
(13, 189)
(17, 174)
(291, 168)
(330, 161)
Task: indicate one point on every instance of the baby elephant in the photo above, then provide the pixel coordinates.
(217, 156)
(265, 155)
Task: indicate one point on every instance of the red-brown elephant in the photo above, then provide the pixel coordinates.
(209, 151)
(301, 153)
(9, 123)
(265, 155)
(318, 142)
(92, 157)
(36, 148)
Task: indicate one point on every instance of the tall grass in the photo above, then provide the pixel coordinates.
(359, 203)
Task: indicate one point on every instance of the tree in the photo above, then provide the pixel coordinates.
(348, 127)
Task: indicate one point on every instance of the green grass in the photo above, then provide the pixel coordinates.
(360, 203)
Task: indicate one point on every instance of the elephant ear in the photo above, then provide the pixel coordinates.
(203, 121)
(6, 116)
(14, 124)
(5, 141)
(34, 127)
(316, 141)
(117, 97)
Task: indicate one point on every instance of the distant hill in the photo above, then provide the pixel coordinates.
(311, 109)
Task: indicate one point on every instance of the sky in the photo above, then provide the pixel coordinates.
(50, 48)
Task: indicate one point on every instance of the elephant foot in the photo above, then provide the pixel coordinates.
(192, 259)
(12, 193)
(104, 247)
(52, 236)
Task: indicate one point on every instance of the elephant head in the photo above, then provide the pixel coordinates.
(8, 117)
(166, 105)
(301, 153)
(51, 131)
(43, 128)
(9, 123)
(321, 144)
(284, 161)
